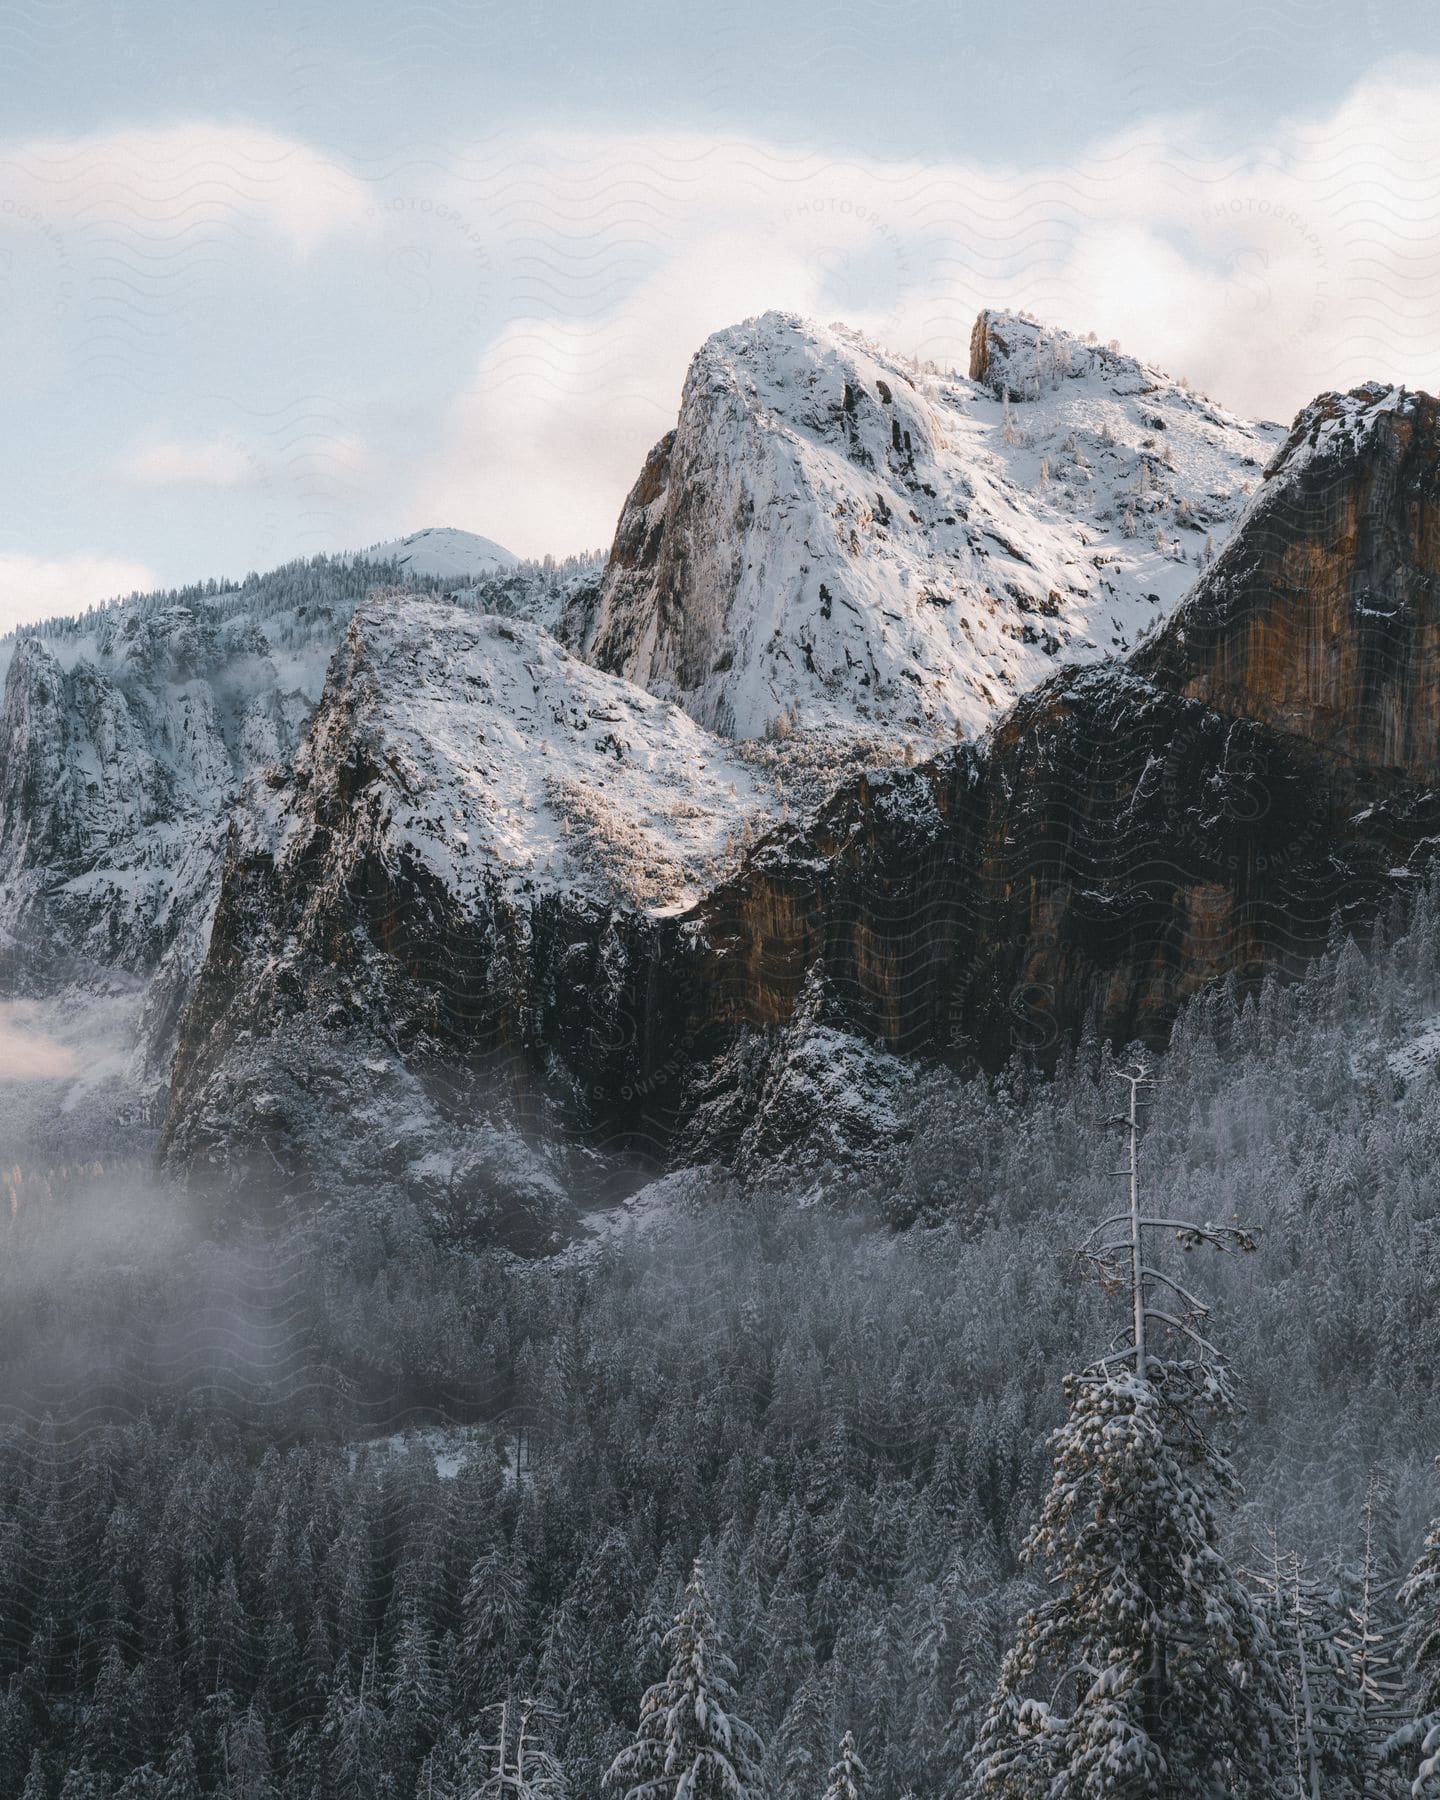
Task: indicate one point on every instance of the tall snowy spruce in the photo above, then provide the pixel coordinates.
(689, 1745)
(1149, 1670)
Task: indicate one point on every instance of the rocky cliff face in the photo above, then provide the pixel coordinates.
(1133, 832)
(833, 538)
(1324, 620)
(116, 767)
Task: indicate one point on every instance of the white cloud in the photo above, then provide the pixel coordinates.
(548, 438)
(1264, 277)
(216, 464)
(38, 587)
(588, 267)
(179, 183)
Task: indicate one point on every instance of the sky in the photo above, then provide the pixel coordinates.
(301, 275)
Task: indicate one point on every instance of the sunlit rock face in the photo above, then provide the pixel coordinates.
(1324, 621)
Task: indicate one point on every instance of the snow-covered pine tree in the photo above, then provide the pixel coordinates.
(1420, 1736)
(689, 1745)
(1321, 1720)
(795, 1764)
(491, 1616)
(1370, 1641)
(847, 1778)
(520, 1764)
(1148, 1670)
(181, 1781)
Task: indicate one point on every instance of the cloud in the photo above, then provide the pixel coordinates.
(217, 464)
(548, 438)
(497, 340)
(27, 1051)
(1303, 262)
(38, 587)
(180, 183)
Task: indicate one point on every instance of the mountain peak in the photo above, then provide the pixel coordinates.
(840, 538)
(444, 551)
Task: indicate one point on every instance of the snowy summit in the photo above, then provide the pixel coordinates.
(442, 551)
(834, 536)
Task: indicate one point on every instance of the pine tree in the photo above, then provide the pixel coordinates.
(354, 1730)
(520, 1765)
(1368, 1639)
(493, 1611)
(1319, 1681)
(689, 1746)
(83, 1783)
(248, 1774)
(1420, 1597)
(1172, 1679)
(795, 1753)
(414, 1694)
(181, 1780)
(847, 1778)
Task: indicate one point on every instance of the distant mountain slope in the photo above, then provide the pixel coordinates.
(832, 537)
(126, 734)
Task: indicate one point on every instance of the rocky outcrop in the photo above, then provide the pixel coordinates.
(1132, 833)
(1324, 621)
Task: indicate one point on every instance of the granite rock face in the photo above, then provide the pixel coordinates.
(1324, 622)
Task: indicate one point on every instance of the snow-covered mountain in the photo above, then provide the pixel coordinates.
(127, 733)
(1127, 833)
(530, 842)
(834, 537)
(476, 827)
(442, 551)
(130, 731)
(498, 761)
